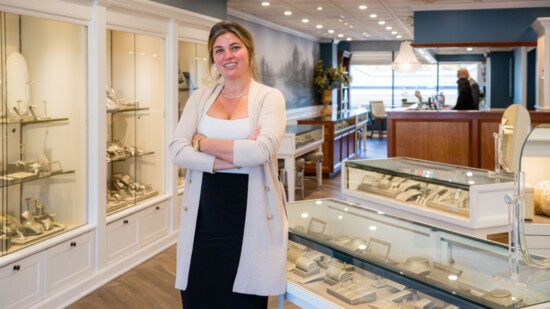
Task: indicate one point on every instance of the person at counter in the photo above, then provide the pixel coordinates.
(465, 100)
(463, 73)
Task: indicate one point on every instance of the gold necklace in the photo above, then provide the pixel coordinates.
(236, 96)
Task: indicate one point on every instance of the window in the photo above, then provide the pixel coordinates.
(374, 82)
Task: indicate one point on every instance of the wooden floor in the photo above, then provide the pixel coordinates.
(151, 284)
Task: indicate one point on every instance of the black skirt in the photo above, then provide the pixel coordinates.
(217, 245)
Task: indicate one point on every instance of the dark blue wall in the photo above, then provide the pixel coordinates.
(531, 78)
(469, 26)
(460, 58)
(517, 76)
(214, 8)
(502, 73)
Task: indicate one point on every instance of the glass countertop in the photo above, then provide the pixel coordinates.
(438, 172)
(339, 116)
(301, 128)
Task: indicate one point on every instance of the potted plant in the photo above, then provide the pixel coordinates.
(326, 80)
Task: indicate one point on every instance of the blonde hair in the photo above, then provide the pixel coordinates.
(243, 34)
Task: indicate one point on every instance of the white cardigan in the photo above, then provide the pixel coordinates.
(262, 266)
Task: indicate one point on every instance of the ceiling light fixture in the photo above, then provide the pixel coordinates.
(288, 13)
(388, 28)
(348, 39)
(265, 3)
(305, 20)
(394, 32)
(381, 22)
(330, 31)
(319, 26)
(406, 61)
(398, 36)
(373, 15)
(319, 8)
(363, 7)
(340, 35)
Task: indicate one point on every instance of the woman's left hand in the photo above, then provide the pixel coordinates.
(254, 134)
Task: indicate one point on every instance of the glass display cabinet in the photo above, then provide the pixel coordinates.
(340, 130)
(43, 133)
(193, 72)
(342, 255)
(135, 117)
(436, 192)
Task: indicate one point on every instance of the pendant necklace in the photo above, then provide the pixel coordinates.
(235, 96)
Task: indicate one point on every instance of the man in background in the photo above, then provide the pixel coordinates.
(463, 73)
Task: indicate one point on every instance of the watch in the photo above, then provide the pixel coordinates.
(197, 144)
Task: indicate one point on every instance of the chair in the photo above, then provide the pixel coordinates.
(299, 167)
(316, 157)
(378, 114)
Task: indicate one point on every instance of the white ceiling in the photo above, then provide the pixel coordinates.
(345, 17)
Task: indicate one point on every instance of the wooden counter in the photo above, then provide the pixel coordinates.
(340, 133)
(455, 137)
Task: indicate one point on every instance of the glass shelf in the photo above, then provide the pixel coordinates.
(37, 121)
(120, 159)
(126, 109)
(29, 177)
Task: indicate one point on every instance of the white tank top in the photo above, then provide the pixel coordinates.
(225, 130)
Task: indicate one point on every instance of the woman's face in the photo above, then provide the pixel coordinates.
(230, 56)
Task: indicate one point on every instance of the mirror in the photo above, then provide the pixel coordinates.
(18, 85)
(514, 127)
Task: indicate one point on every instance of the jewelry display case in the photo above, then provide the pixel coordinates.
(297, 141)
(193, 72)
(438, 193)
(43, 135)
(135, 108)
(340, 138)
(342, 255)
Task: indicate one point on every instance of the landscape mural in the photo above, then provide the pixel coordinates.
(285, 62)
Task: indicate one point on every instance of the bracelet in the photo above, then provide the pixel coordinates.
(197, 144)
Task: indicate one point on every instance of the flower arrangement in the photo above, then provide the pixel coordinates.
(329, 78)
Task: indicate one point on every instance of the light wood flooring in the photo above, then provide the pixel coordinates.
(151, 284)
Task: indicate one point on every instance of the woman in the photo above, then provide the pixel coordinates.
(465, 99)
(233, 237)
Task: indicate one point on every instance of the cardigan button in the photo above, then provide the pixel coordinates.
(190, 181)
(269, 217)
(267, 188)
(184, 208)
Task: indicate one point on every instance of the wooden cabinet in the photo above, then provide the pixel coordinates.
(455, 137)
(339, 139)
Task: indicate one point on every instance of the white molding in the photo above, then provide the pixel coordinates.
(263, 22)
(477, 6)
(540, 25)
(163, 11)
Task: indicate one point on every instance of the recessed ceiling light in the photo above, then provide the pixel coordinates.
(388, 28)
(265, 3)
(305, 20)
(399, 36)
(340, 35)
(339, 20)
(288, 13)
(319, 8)
(363, 7)
(351, 26)
(368, 35)
(469, 49)
(348, 39)
(381, 22)
(331, 31)
(319, 26)
(373, 15)
(364, 33)
(346, 24)
(394, 32)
